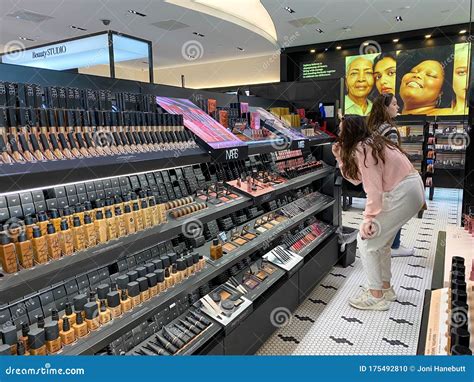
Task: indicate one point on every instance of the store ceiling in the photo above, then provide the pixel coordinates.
(170, 27)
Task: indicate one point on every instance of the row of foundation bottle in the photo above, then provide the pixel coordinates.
(31, 144)
(97, 310)
(50, 238)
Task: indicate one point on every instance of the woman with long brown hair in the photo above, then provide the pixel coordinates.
(381, 121)
(395, 193)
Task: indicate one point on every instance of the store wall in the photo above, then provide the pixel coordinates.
(122, 72)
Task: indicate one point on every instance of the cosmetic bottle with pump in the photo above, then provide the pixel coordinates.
(125, 301)
(99, 205)
(43, 223)
(113, 303)
(133, 290)
(8, 257)
(137, 215)
(92, 315)
(104, 315)
(90, 234)
(80, 210)
(24, 251)
(53, 341)
(67, 332)
(176, 276)
(100, 227)
(68, 215)
(109, 205)
(29, 224)
(144, 291)
(89, 210)
(181, 269)
(25, 329)
(111, 225)
(169, 282)
(78, 237)
(66, 239)
(120, 220)
(55, 219)
(20, 349)
(160, 275)
(80, 327)
(55, 317)
(9, 337)
(36, 342)
(40, 247)
(69, 313)
(53, 242)
(152, 284)
(40, 322)
(129, 220)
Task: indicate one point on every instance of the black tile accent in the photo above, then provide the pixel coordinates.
(406, 303)
(304, 318)
(395, 342)
(337, 275)
(414, 276)
(328, 287)
(416, 266)
(341, 340)
(314, 301)
(410, 288)
(288, 339)
(352, 319)
(401, 321)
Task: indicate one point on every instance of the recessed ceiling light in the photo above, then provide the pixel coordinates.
(387, 11)
(136, 13)
(395, 40)
(338, 47)
(427, 36)
(346, 29)
(319, 30)
(366, 43)
(325, 49)
(312, 51)
(198, 34)
(406, 7)
(25, 38)
(241, 49)
(462, 31)
(399, 18)
(288, 9)
(76, 27)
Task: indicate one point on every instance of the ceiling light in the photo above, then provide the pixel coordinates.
(427, 36)
(346, 29)
(198, 34)
(406, 7)
(241, 49)
(366, 43)
(319, 30)
(462, 31)
(312, 51)
(398, 18)
(25, 38)
(325, 49)
(136, 13)
(78, 28)
(288, 9)
(338, 47)
(395, 40)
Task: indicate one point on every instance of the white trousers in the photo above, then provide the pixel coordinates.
(399, 206)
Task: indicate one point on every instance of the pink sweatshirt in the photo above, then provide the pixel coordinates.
(378, 178)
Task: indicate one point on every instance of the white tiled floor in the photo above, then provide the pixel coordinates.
(326, 324)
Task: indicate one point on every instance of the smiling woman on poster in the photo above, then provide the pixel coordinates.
(359, 83)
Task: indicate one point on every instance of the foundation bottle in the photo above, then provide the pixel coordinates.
(80, 327)
(79, 301)
(92, 315)
(21, 349)
(98, 206)
(9, 337)
(137, 215)
(104, 315)
(111, 225)
(152, 284)
(53, 341)
(67, 242)
(118, 202)
(146, 214)
(25, 329)
(29, 224)
(189, 265)
(160, 275)
(154, 212)
(120, 220)
(36, 342)
(43, 223)
(67, 333)
(89, 210)
(129, 220)
(113, 303)
(181, 269)
(54, 245)
(168, 279)
(7, 254)
(93, 298)
(125, 301)
(90, 235)
(40, 248)
(24, 251)
(216, 250)
(69, 314)
(67, 214)
(100, 227)
(144, 291)
(202, 262)
(55, 317)
(55, 219)
(175, 274)
(78, 238)
(133, 291)
(195, 256)
(80, 210)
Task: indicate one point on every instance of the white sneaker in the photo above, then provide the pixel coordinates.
(365, 301)
(403, 251)
(388, 294)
